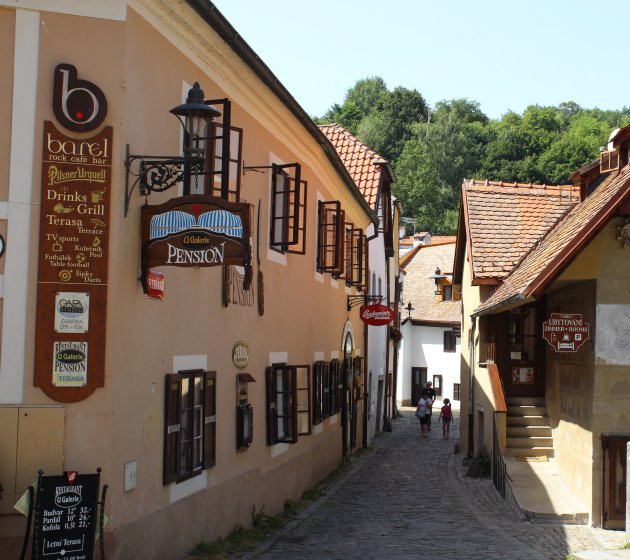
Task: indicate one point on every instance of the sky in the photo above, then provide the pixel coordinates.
(504, 54)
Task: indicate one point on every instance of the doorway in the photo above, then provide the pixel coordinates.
(614, 481)
(418, 381)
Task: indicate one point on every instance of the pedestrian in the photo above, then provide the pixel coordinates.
(422, 412)
(446, 415)
(431, 394)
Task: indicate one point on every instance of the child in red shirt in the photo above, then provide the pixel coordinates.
(446, 415)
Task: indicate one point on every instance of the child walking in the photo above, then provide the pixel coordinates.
(446, 415)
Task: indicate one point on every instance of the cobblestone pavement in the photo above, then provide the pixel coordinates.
(408, 498)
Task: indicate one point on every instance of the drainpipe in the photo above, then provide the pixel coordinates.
(471, 376)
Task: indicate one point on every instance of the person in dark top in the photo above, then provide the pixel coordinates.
(431, 395)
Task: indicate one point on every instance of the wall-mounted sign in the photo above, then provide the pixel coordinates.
(565, 332)
(65, 516)
(195, 230)
(79, 105)
(240, 355)
(72, 312)
(72, 270)
(155, 285)
(376, 314)
(457, 331)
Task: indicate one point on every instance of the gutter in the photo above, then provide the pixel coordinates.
(510, 303)
(215, 19)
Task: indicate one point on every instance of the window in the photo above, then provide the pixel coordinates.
(449, 341)
(355, 266)
(522, 333)
(336, 387)
(447, 294)
(288, 210)
(190, 424)
(609, 161)
(456, 389)
(288, 403)
(437, 385)
(330, 238)
(321, 392)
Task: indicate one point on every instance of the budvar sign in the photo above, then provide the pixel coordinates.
(195, 230)
(565, 332)
(376, 315)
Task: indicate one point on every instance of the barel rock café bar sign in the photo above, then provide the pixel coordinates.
(194, 230)
(72, 271)
(565, 332)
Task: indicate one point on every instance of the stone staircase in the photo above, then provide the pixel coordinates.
(527, 426)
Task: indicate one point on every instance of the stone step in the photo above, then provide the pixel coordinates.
(526, 410)
(527, 442)
(528, 431)
(527, 401)
(526, 452)
(521, 421)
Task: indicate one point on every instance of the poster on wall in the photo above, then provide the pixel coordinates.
(523, 375)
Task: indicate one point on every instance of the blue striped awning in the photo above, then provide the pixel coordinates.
(176, 221)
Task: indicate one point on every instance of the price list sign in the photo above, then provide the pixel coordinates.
(72, 269)
(65, 517)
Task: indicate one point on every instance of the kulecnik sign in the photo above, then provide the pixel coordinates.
(376, 315)
(565, 332)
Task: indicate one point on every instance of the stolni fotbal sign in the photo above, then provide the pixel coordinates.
(195, 231)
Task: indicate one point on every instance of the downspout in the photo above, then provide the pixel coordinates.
(471, 394)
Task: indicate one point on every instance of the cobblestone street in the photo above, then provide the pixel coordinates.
(408, 498)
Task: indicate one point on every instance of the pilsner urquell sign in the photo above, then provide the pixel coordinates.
(195, 230)
(565, 332)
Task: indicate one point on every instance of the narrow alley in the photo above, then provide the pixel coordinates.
(409, 498)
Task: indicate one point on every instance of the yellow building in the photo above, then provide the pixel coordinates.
(181, 320)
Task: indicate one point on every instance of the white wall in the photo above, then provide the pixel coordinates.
(424, 347)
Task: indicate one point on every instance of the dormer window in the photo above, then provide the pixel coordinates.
(609, 160)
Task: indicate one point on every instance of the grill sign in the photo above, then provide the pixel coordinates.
(376, 315)
(565, 332)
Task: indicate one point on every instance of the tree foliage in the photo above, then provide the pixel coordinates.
(433, 149)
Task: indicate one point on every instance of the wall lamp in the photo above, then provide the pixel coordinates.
(409, 309)
(437, 278)
(160, 173)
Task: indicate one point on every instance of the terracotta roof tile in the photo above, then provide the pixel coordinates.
(562, 243)
(506, 219)
(363, 164)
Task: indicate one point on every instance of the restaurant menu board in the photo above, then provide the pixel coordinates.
(65, 517)
(72, 273)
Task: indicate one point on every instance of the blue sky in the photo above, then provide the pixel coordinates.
(504, 54)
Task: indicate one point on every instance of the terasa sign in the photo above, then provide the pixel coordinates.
(376, 315)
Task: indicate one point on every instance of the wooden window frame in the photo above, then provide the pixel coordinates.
(283, 403)
(288, 210)
(456, 391)
(609, 160)
(330, 237)
(336, 387)
(199, 417)
(450, 342)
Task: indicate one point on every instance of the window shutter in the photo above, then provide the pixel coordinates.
(609, 161)
(288, 210)
(210, 419)
(272, 416)
(357, 276)
(318, 392)
(171, 428)
(302, 399)
(330, 237)
(336, 386)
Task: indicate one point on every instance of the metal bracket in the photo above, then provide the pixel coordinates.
(353, 301)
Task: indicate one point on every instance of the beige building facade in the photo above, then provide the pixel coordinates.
(228, 387)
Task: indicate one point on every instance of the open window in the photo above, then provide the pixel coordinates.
(288, 403)
(321, 391)
(330, 238)
(609, 161)
(190, 424)
(288, 209)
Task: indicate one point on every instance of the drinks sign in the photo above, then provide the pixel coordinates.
(565, 332)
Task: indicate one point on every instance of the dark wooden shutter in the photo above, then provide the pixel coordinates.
(288, 209)
(325, 389)
(210, 419)
(318, 392)
(609, 161)
(330, 237)
(171, 428)
(272, 421)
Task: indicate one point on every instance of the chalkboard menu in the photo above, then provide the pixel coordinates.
(65, 517)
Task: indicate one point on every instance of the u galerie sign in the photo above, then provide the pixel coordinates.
(376, 315)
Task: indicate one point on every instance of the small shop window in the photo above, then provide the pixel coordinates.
(190, 424)
(288, 403)
(288, 209)
(330, 238)
(450, 342)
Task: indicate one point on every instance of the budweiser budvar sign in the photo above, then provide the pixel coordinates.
(376, 314)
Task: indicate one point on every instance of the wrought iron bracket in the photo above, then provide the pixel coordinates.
(157, 173)
(353, 301)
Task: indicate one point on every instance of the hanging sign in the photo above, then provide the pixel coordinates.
(376, 314)
(65, 516)
(565, 332)
(155, 285)
(194, 231)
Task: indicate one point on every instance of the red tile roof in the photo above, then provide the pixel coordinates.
(561, 245)
(363, 164)
(504, 221)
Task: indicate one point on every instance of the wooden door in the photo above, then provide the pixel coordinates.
(418, 381)
(614, 481)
